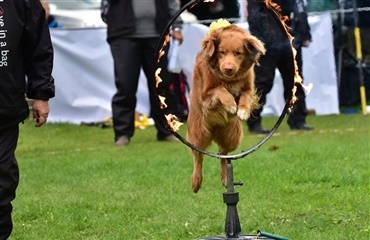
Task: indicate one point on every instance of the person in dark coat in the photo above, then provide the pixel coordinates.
(26, 51)
(133, 30)
(279, 55)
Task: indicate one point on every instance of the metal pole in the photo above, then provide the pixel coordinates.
(231, 199)
(357, 35)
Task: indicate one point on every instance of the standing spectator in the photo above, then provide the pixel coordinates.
(134, 28)
(215, 10)
(26, 50)
(278, 55)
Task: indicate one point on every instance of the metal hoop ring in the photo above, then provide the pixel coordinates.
(261, 142)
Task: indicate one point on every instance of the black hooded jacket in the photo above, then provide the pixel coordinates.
(25, 50)
(121, 18)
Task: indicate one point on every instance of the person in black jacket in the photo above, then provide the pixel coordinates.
(133, 30)
(279, 55)
(26, 50)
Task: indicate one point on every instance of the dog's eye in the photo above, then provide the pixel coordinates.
(238, 53)
(222, 52)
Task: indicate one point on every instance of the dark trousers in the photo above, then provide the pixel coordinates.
(281, 59)
(9, 178)
(130, 55)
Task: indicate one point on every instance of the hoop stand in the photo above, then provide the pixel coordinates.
(232, 223)
(231, 199)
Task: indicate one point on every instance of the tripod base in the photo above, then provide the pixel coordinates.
(243, 237)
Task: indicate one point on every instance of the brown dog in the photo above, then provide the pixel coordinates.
(222, 94)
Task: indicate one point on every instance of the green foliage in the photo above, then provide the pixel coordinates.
(75, 184)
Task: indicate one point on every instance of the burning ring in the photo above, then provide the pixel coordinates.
(168, 120)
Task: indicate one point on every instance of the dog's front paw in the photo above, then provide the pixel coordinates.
(243, 114)
(231, 108)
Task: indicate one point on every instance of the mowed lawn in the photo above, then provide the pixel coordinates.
(75, 184)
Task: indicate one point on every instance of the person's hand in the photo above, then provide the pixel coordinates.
(306, 43)
(177, 35)
(40, 111)
(46, 6)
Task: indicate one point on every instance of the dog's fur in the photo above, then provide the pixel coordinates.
(222, 94)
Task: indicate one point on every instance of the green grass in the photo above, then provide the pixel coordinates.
(75, 184)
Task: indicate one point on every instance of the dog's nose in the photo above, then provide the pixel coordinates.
(228, 69)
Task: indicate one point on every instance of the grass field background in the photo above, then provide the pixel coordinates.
(75, 184)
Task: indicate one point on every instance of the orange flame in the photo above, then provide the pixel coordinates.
(158, 79)
(162, 102)
(172, 120)
(162, 52)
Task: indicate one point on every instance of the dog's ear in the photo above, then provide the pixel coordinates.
(255, 48)
(209, 44)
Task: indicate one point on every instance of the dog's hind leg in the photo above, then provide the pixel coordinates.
(197, 178)
(198, 135)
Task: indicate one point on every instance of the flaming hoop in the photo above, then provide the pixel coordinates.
(231, 197)
(171, 121)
